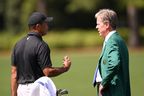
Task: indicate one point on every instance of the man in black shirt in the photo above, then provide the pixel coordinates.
(31, 57)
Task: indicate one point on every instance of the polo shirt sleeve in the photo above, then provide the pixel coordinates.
(13, 59)
(43, 56)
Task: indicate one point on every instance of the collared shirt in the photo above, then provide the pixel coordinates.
(30, 56)
(98, 76)
(109, 34)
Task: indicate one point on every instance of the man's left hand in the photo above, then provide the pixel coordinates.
(100, 89)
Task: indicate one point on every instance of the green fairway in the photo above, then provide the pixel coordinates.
(78, 81)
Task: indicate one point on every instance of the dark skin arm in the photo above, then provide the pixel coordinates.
(14, 84)
(55, 71)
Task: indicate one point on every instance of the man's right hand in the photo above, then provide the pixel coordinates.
(66, 63)
(54, 71)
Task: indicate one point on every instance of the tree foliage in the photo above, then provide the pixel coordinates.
(86, 5)
(136, 3)
(69, 13)
(17, 13)
(12, 14)
(132, 12)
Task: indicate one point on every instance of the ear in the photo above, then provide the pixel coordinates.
(38, 26)
(107, 25)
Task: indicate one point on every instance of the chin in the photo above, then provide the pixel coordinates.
(102, 36)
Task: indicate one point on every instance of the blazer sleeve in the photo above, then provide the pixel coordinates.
(113, 55)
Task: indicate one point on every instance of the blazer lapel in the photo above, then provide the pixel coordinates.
(102, 51)
(95, 75)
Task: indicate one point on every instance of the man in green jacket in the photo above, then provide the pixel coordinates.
(112, 71)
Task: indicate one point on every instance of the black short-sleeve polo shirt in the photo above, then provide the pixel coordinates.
(30, 55)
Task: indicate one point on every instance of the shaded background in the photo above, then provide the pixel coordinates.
(69, 14)
(73, 32)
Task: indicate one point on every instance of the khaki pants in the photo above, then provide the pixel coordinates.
(24, 89)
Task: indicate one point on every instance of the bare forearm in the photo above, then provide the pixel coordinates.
(13, 87)
(14, 84)
(54, 71)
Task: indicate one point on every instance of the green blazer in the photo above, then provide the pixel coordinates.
(114, 67)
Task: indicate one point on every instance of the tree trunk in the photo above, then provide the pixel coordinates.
(134, 27)
(41, 6)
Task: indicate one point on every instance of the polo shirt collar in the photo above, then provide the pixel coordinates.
(35, 34)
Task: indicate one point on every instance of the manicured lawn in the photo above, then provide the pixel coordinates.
(78, 81)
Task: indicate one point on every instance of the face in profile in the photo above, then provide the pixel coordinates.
(101, 27)
(44, 28)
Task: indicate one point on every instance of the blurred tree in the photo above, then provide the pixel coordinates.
(57, 9)
(41, 6)
(134, 37)
(2, 11)
(72, 13)
(132, 7)
(28, 6)
(68, 13)
(17, 14)
(13, 14)
(86, 5)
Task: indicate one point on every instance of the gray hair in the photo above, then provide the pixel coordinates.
(108, 16)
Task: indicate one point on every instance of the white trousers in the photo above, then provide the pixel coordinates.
(44, 86)
(24, 89)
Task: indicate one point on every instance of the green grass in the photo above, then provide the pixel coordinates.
(78, 80)
(4, 75)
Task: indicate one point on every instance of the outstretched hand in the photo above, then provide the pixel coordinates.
(66, 63)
